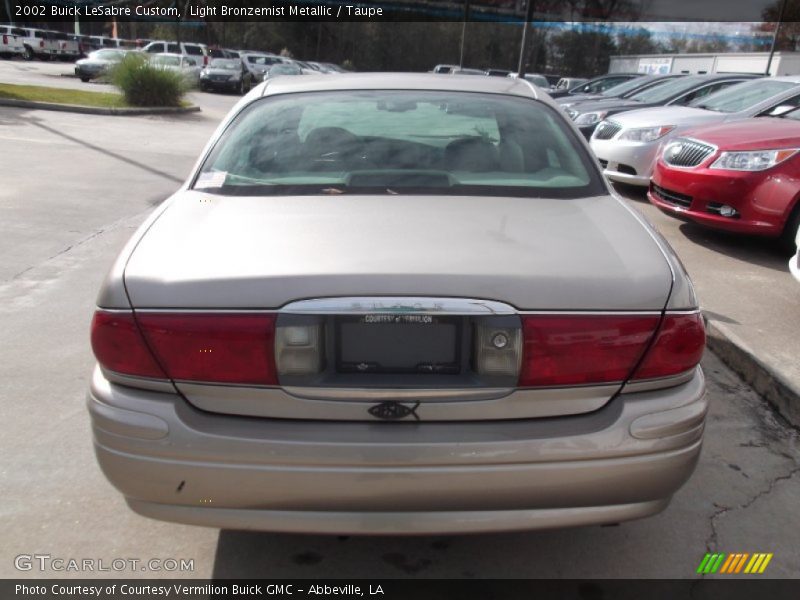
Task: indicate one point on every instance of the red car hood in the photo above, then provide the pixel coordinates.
(760, 133)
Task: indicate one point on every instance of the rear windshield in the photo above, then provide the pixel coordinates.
(394, 142)
(225, 63)
(743, 96)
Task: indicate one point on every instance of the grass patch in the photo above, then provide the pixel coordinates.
(37, 93)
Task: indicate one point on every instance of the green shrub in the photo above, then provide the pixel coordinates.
(142, 84)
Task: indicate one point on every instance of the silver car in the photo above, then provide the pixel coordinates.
(627, 144)
(396, 303)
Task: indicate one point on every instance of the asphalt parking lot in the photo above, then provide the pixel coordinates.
(76, 186)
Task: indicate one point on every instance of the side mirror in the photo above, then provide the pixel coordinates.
(780, 110)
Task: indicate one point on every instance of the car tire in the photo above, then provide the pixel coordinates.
(786, 240)
(85, 79)
(6, 55)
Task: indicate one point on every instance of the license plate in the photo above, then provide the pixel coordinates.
(391, 343)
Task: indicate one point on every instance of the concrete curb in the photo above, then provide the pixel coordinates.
(92, 110)
(783, 394)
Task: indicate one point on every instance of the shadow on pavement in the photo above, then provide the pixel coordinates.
(746, 248)
(761, 251)
(524, 554)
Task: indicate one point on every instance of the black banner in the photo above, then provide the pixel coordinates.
(733, 588)
(52, 11)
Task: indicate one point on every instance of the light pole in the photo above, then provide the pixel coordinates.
(775, 38)
(523, 46)
(463, 34)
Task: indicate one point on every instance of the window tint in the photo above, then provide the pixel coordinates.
(744, 95)
(174, 48)
(674, 87)
(193, 50)
(703, 92)
(385, 141)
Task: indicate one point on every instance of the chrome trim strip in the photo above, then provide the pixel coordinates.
(377, 394)
(143, 383)
(648, 385)
(360, 305)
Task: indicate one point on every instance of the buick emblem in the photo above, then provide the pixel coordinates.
(393, 411)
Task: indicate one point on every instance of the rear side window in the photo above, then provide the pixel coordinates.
(400, 142)
(193, 50)
(174, 49)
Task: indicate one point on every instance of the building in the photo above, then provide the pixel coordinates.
(783, 63)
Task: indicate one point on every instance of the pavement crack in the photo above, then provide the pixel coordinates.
(711, 541)
(61, 252)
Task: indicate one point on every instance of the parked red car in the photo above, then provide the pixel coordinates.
(742, 176)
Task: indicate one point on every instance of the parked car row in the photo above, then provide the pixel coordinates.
(30, 42)
(720, 150)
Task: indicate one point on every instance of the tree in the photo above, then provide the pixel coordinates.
(789, 36)
(640, 42)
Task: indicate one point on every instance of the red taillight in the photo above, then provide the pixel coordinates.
(5, 39)
(677, 348)
(118, 345)
(41, 43)
(209, 347)
(205, 60)
(595, 349)
(582, 349)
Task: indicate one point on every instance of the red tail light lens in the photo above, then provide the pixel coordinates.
(41, 43)
(118, 346)
(5, 38)
(582, 349)
(209, 347)
(677, 348)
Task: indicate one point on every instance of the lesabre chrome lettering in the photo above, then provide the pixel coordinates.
(396, 307)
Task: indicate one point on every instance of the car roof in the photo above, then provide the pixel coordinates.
(403, 81)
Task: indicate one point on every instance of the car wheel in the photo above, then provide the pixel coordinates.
(84, 79)
(786, 241)
(6, 55)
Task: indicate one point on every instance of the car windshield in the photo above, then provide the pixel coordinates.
(673, 87)
(223, 63)
(390, 142)
(107, 54)
(742, 96)
(284, 70)
(625, 87)
(167, 61)
(261, 60)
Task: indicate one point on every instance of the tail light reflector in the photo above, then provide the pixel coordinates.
(677, 348)
(568, 350)
(118, 346)
(5, 38)
(215, 348)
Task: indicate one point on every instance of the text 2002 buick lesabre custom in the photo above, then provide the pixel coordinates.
(397, 304)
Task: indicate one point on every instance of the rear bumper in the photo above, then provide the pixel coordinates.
(176, 463)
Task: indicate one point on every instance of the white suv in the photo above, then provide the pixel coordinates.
(186, 48)
(11, 41)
